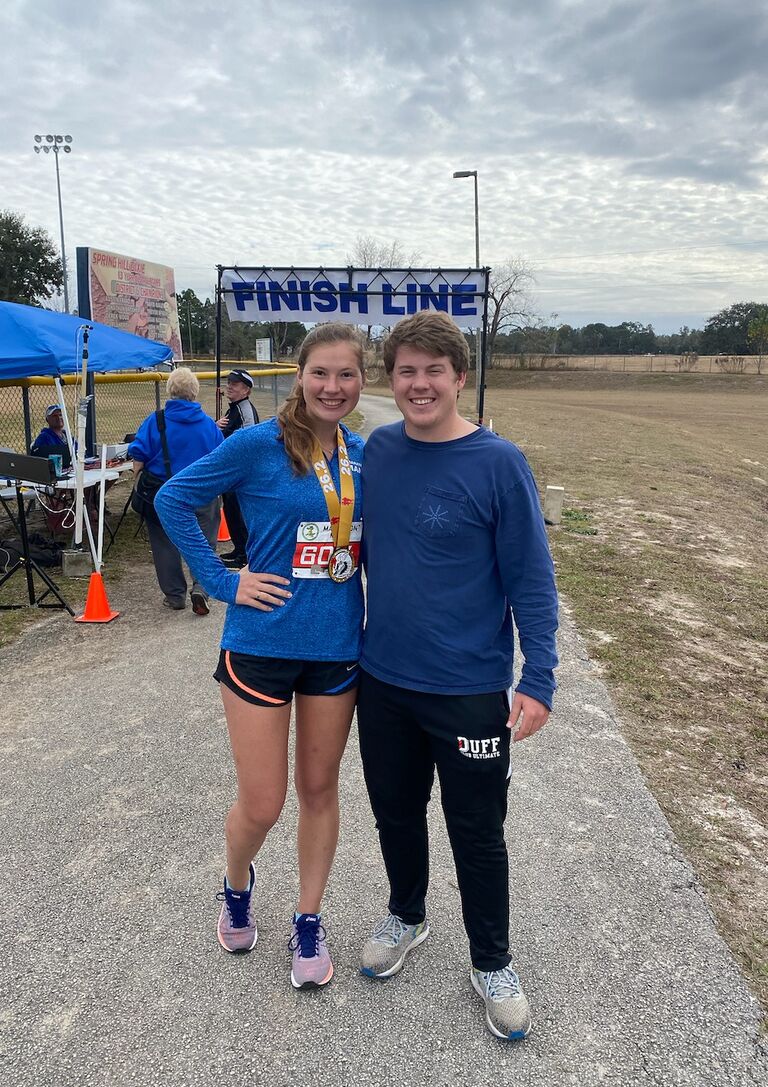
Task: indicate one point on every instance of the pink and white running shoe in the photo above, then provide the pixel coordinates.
(311, 967)
(236, 929)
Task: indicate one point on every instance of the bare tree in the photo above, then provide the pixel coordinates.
(369, 252)
(510, 305)
(731, 364)
(687, 362)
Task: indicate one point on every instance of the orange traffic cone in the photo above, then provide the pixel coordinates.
(223, 536)
(97, 609)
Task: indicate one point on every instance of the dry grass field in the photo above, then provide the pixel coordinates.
(662, 557)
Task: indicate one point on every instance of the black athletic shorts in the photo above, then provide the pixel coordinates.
(271, 681)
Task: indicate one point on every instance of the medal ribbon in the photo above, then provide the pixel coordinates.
(340, 513)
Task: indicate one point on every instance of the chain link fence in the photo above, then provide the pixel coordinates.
(119, 406)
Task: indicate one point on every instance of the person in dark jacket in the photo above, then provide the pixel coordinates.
(240, 413)
(190, 434)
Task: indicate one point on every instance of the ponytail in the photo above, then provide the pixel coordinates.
(298, 437)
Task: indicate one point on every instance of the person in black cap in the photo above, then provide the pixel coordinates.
(240, 413)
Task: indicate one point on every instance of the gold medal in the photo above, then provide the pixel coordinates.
(341, 566)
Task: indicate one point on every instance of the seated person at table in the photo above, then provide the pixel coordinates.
(51, 438)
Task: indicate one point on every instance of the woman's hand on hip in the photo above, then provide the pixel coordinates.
(262, 591)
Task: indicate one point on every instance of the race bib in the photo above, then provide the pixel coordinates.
(314, 547)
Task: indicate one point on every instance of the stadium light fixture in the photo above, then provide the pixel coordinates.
(56, 143)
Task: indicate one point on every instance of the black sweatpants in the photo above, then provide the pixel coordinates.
(404, 735)
(238, 533)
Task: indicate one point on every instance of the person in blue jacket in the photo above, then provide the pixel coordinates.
(52, 438)
(455, 546)
(293, 626)
(190, 434)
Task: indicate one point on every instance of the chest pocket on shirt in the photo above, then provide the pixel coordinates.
(440, 513)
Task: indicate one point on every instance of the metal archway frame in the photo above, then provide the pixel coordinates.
(282, 283)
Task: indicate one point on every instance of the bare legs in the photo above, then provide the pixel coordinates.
(259, 739)
(322, 728)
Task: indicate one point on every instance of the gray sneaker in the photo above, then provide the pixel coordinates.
(506, 1008)
(391, 940)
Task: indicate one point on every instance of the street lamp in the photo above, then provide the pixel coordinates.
(480, 371)
(55, 144)
(473, 173)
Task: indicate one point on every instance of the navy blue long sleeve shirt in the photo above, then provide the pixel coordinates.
(454, 546)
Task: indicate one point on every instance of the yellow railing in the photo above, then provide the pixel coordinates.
(118, 377)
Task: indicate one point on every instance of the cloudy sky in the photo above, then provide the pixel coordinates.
(620, 146)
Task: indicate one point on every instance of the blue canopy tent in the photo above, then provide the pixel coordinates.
(37, 343)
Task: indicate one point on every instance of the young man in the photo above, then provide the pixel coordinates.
(455, 545)
(240, 413)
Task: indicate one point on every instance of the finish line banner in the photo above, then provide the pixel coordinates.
(354, 296)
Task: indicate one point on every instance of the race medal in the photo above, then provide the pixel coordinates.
(342, 565)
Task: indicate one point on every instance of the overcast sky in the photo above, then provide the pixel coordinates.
(620, 146)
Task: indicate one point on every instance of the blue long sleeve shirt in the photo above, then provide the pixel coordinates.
(288, 534)
(454, 545)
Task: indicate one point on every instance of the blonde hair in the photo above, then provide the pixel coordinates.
(182, 384)
(295, 428)
(434, 333)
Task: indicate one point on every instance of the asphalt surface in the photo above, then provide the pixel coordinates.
(114, 781)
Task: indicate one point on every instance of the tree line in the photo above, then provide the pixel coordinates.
(31, 273)
(740, 329)
(197, 323)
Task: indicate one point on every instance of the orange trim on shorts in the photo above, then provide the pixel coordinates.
(249, 690)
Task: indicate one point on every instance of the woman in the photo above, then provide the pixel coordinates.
(190, 434)
(293, 626)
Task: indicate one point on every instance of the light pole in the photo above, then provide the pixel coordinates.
(55, 144)
(479, 368)
(473, 174)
